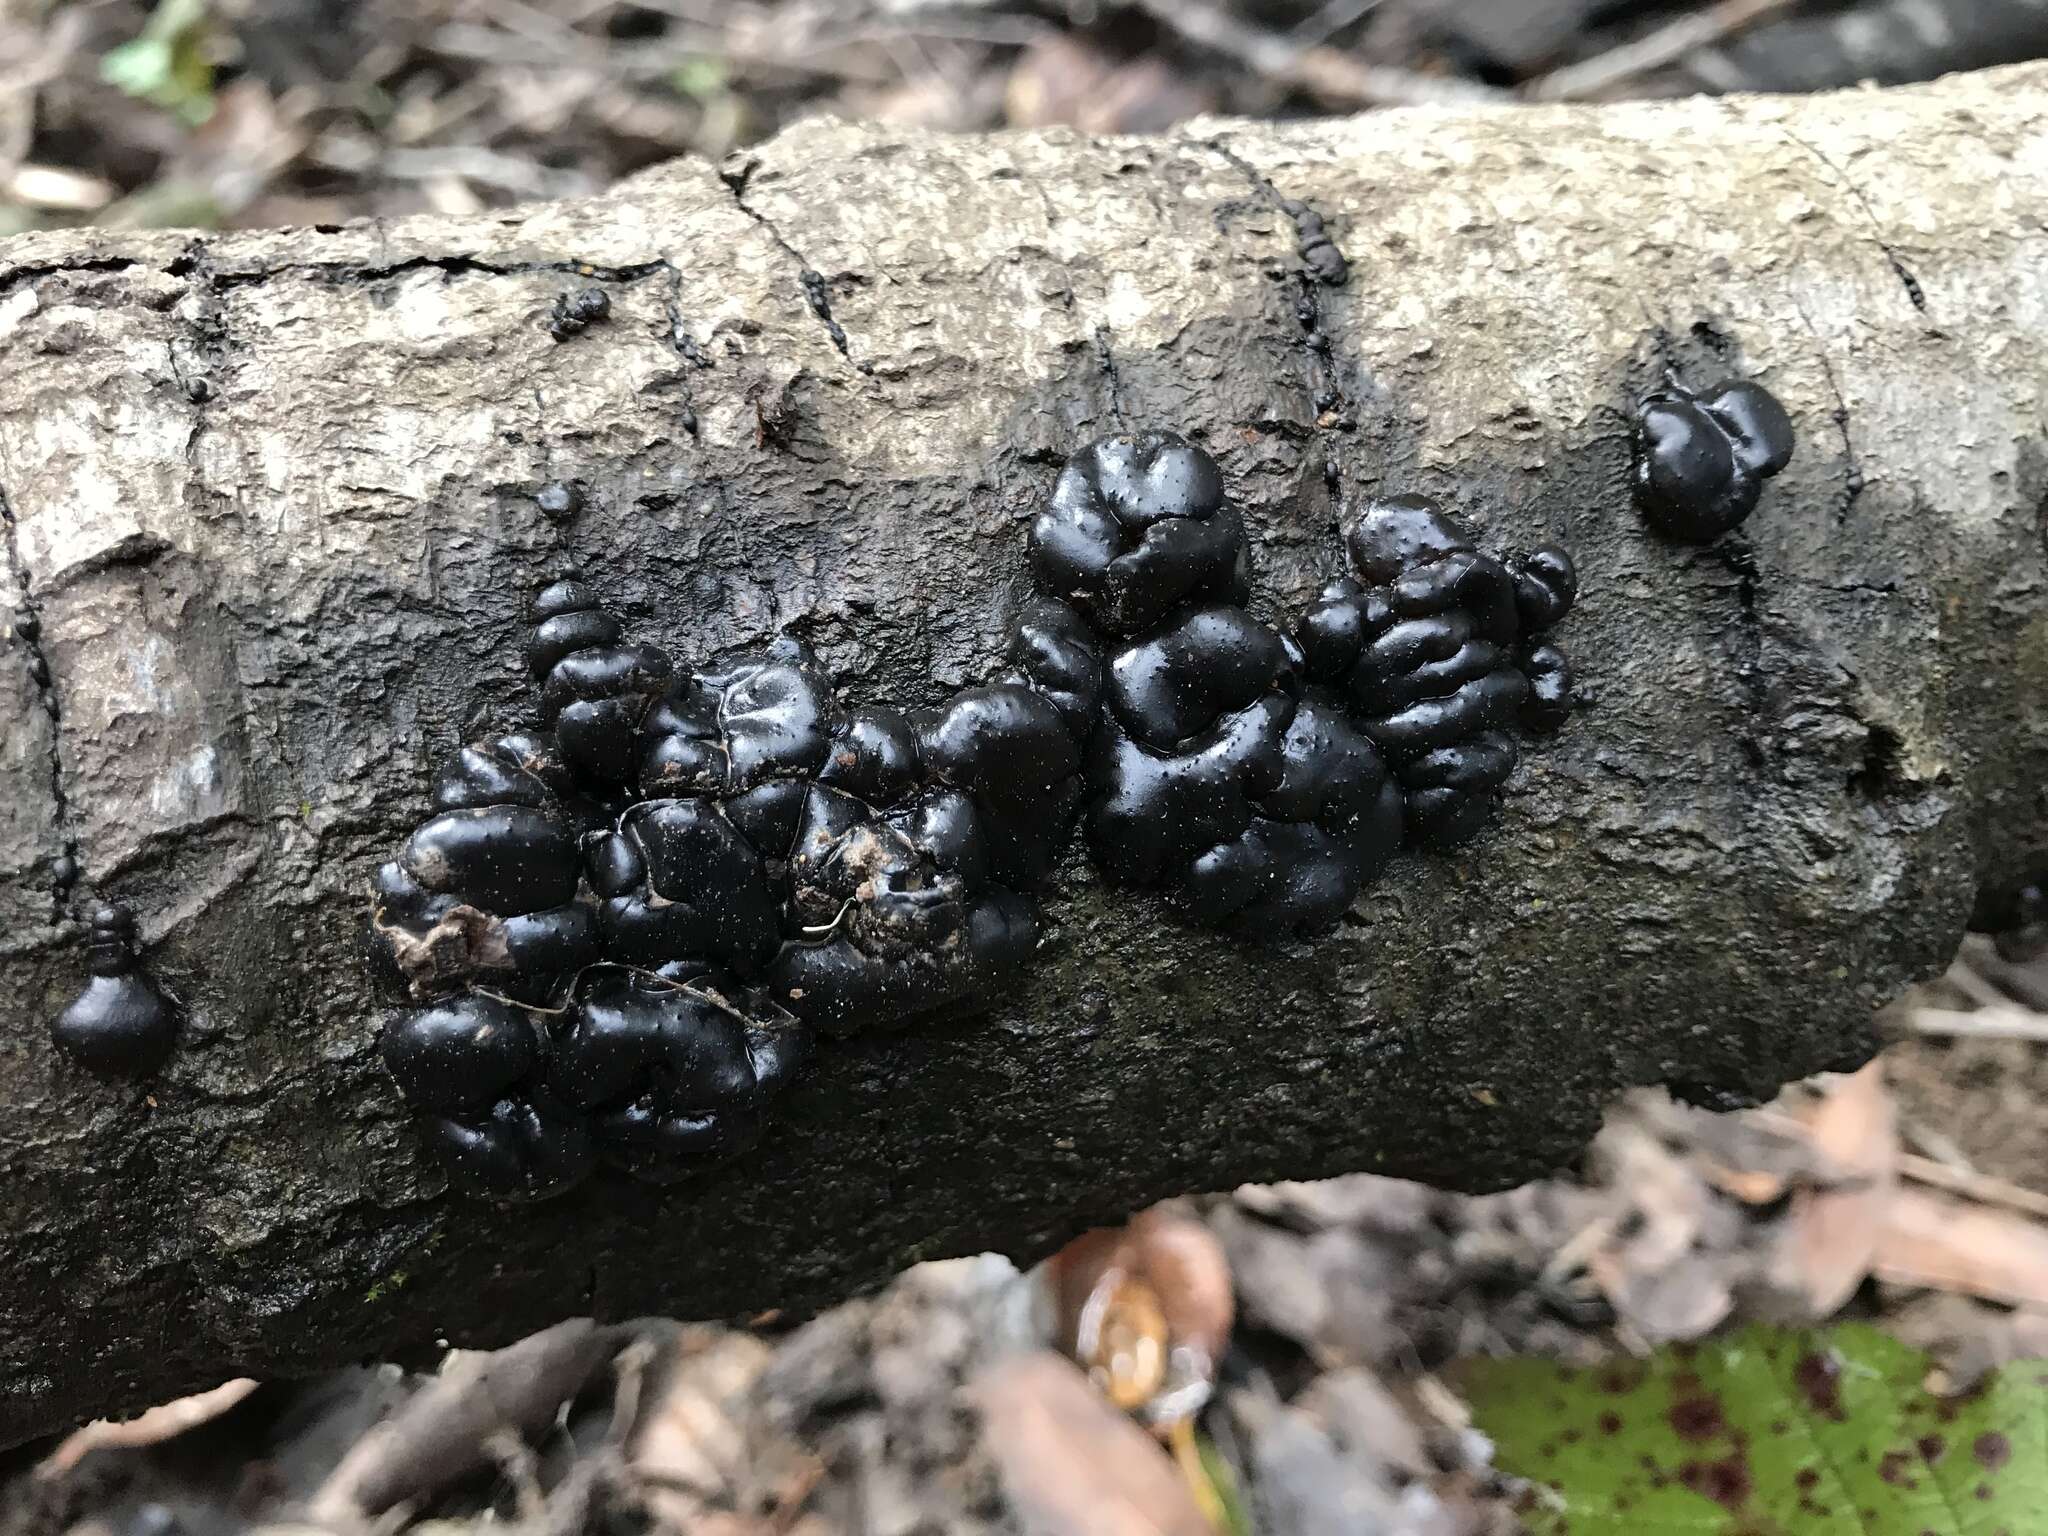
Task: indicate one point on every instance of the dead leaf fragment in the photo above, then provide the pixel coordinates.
(1072, 1465)
(1943, 1244)
(1831, 1233)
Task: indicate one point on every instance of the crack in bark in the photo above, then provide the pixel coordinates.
(1907, 280)
(1735, 555)
(1107, 359)
(14, 277)
(1852, 483)
(817, 292)
(683, 343)
(1334, 409)
(28, 628)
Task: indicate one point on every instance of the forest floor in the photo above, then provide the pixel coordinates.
(1304, 1338)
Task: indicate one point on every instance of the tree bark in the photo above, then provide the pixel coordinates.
(271, 498)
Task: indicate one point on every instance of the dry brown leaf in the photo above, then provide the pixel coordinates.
(152, 1426)
(688, 1445)
(1944, 1244)
(1831, 1234)
(1072, 1465)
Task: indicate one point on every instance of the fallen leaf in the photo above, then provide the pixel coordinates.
(1944, 1244)
(1070, 1464)
(1831, 1233)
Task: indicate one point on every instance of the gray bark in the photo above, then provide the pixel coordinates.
(268, 612)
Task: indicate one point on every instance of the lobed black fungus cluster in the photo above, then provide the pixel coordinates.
(617, 936)
(120, 1025)
(1702, 459)
(573, 313)
(1263, 778)
(1435, 649)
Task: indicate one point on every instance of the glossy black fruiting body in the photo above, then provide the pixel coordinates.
(559, 501)
(1434, 648)
(574, 312)
(617, 936)
(120, 1025)
(1213, 772)
(1263, 778)
(1702, 459)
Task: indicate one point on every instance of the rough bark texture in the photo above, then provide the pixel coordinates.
(265, 613)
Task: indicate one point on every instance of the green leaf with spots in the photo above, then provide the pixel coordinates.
(1769, 1433)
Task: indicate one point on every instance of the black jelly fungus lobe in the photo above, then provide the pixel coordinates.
(1434, 647)
(559, 501)
(1260, 778)
(1136, 525)
(1702, 459)
(121, 1025)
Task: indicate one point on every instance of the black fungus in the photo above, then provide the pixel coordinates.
(619, 934)
(673, 1067)
(485, 891)
(578, 311)
(615, 937)
(120, 1025)
(1138, 524)
(1217, 770)
(1434, 649)
(1319, 253)
(559, 501)
(595, 692)
(1702, 459)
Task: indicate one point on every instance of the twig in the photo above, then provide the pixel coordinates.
(153, 1426)
(2019, 981)
(1334, 77)
(1979, 1024)
(1981, 1187)
(1666, 45)
(441, 1434)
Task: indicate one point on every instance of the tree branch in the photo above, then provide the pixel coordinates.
(272, 503)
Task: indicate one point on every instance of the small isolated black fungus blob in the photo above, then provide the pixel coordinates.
(1137, 525)
(120, 1025)
(1702, 459)
(1319, 253)
(1215, 771)
(578, 311)
(1434, 649)
(559, 501)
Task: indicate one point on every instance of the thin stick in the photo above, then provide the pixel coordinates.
(1667, 45)
(1979, 1024)
(1330, 74)
(1981, 1187)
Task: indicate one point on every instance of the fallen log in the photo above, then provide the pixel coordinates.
(273, 520)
